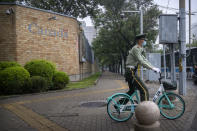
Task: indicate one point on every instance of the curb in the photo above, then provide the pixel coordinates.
(96, 81)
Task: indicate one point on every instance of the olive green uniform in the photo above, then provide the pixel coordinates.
(137, 56)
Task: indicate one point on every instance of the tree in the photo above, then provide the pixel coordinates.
(121, 31)
(75, 8)
(105, 50)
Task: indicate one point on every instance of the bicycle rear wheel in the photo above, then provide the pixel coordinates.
(119, 107)
(171, 112)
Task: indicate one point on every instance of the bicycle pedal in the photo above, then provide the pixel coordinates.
(135, 101)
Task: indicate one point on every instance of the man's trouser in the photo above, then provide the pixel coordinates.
(136, 83)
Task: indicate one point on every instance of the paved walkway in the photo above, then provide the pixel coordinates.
(83, 109)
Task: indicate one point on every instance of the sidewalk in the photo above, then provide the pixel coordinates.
(82, 110)
(194, 125)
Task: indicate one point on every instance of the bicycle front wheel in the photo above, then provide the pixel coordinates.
(173, 111)
(119, 108)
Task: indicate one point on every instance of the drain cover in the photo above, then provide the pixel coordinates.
(94, 104)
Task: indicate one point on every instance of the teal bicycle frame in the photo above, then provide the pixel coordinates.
(160, 95)
(133, 106)
(135, 94)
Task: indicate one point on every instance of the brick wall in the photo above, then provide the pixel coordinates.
(39, 37)
(7, 34)
(31, 33)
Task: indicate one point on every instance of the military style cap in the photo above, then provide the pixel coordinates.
(140, 36)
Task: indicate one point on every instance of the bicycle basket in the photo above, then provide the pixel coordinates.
(169, 86)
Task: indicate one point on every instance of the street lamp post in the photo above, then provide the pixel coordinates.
(141, 18)
(141, 30)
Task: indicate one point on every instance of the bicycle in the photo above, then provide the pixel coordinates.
(171, 105)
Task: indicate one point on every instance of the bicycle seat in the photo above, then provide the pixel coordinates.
(169, 86)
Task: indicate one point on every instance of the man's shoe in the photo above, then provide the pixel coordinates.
(117, 109)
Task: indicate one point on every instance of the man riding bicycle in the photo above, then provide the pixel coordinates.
(137, 57)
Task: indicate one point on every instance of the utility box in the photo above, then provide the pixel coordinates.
(168, 29)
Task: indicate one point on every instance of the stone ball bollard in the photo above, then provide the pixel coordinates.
(147, 114)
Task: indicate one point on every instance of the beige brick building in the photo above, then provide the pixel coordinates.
(28, 33)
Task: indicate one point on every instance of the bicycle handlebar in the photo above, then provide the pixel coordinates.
(159, 77)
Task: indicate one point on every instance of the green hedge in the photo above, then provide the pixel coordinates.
(60, 80)
(36, 76)
(6, 64)
(12, 80)
(35, 84)
(42, 68)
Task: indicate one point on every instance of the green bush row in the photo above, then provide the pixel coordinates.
(36, 76)
(60, 80)
(12, 80)
(6, 64)
(41, 68)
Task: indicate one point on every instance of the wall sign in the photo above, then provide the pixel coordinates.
(35, 29)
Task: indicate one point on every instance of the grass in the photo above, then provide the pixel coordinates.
(87, 82)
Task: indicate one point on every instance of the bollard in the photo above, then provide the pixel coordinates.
(147, 114)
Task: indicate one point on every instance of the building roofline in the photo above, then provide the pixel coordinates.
(48, 11)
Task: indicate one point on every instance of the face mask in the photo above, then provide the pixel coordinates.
(144, 43)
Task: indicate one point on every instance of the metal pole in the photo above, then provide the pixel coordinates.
(141, 21)
(123, 69)
(189, 21)
(182, 54)
(164, 60)
(141, 32)
(172, 59)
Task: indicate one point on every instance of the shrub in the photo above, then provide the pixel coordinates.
(60, 80)
(35, 84)
(6, 64)
(42, 68)
(12, 80)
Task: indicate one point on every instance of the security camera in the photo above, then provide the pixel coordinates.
(9, 11)
(52, 18)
